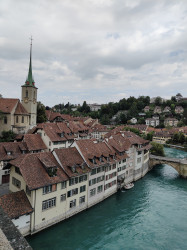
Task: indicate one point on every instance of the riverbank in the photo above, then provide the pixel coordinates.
(180, 147)
(148, 216)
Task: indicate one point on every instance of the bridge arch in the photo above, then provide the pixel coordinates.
(172, 164)
(180, 165)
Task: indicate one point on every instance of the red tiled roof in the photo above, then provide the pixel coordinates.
(70, 157)
(34, 142)
(15, 204)
(13, 147)
(91, 150)
(7, 104)
(32, 168)
(20, 110)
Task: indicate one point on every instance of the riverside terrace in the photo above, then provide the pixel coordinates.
(64, 182)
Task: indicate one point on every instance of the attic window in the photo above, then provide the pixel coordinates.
(62, 134)
(52, 171)
(94, 161)
(101, 159)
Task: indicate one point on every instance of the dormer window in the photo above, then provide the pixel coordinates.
(101, 159)
(52, 171)
(94, 161)
(113, 157)
(62, 134)
(83, 165)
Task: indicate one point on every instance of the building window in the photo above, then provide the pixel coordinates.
(17, 119)
(63, 197)
(114, 166)
(73, 192)
(26, 93)
(28, 191)
(16, 182)
(5, 119)
(82, 188)
(63, 184)
(47, 189)
(72, 203)
(17, 170)
(49, 203)
(82, 199)
(71, 182)
(138, 160)
(22, 119)
(92, 192)
(93, 171)
(99, 189)
(50, 143)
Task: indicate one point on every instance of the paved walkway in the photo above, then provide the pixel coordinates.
(4, 189)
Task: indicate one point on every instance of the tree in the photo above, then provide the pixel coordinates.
(105, 120)
(7, 136)
(181, 138)
(158, 101)
(133, 112)
(157, 149)
(176, 137)
(41, 116)
(150, 136)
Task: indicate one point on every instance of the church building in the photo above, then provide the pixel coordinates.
(20, 116)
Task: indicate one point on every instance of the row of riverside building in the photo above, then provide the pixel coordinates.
(48, 187)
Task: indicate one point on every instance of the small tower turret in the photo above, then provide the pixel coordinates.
(29, 93)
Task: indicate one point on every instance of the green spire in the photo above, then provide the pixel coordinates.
(30, 79)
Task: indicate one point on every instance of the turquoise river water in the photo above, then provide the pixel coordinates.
(152, 215)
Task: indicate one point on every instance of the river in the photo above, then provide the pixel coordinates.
(152, 215)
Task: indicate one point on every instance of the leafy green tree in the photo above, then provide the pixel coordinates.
(181, 138)
(158, 101)
(7, 136)
(133, 111)
(176, 137)
(149, 136)
(141, 120)
(41, 116)
(105, 120)
(157, 149)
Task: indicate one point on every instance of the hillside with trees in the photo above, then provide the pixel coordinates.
(123, 111)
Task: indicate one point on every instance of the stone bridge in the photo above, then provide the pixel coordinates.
(180, 165)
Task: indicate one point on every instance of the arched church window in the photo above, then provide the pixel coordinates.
(16, 119)
(26, 93)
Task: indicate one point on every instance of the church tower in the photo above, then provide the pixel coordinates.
(29, 94)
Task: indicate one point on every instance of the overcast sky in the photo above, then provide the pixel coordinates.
(94, 50)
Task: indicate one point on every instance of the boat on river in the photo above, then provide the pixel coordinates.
(129, 186)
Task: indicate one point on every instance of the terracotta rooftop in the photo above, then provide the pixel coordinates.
(91, 150)
(14, 147)
(34, 142)
(7, 104)
(70, 157)
(33, 169)
(15, 204)
(20, 110)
